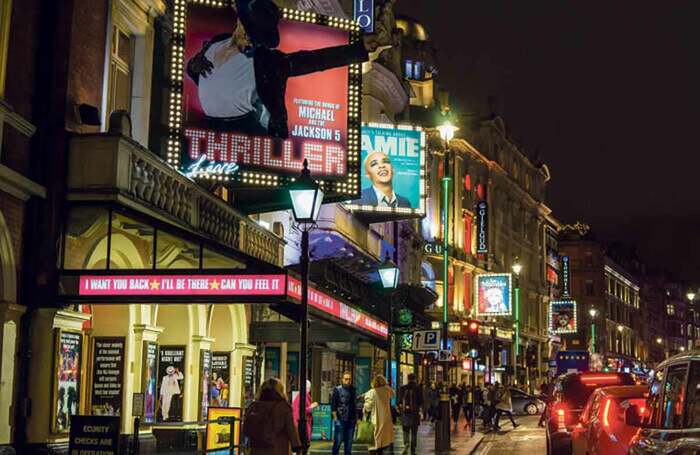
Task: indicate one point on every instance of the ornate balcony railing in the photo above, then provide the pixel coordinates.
(104, 167)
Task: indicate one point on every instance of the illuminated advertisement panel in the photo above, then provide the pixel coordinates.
(240, 115)
(338, 309)
(562, 316)
(493, 294)
(392, 169)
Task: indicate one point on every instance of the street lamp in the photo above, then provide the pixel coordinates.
(517, 267)
(659, 340)
(306, 197)
(691, 296)
(389, 276)
(442, 437)
(593, 312)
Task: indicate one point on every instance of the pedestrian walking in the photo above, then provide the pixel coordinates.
(410, 403)
(455, 404)
(434, 399)
(424, 389)
(467, 402)
(504, 406)
(489, 405)
(269, 423)
(344, 412)
(378, 405)
(545, 395)
(310, 406)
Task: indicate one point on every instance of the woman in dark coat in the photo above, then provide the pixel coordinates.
(268, 423)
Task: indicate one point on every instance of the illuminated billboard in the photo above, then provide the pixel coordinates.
(250, 115)
(562, 316)
(392, 169)
(493, 294)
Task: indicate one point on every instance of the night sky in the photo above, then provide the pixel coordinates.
(606, 92)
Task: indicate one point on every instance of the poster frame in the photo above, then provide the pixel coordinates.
(144, 377)
(550, 315)
(224, 412)
(336, 188)
(478, 278)
(93, 352)
(397, 212)
(54, 380)
(185, 373)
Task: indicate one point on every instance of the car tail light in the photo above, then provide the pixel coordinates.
(606, 413)
(560, 412)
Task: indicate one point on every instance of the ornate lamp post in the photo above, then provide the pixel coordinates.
(517, 267)
(442, 436)
(593, 312)
(306, 197)
(389, 276)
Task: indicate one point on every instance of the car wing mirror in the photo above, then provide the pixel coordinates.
(633, 416)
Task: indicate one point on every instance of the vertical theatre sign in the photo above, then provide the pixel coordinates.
(482, 227)
(107, 373)
(364, 14)
(250, 116)
(565, 277)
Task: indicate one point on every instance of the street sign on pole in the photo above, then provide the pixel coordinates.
(426, 340)
(445, 355)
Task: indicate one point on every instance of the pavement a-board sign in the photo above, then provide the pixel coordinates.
(94, 434)
(426, 340)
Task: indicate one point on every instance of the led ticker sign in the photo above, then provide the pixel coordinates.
(182, 285)
(482, 227)
(562, 316)
(392, 168)
(338, 309)
(364, 14)
(226, 125)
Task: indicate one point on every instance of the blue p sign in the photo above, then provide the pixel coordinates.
(431, 338)
(364, 15)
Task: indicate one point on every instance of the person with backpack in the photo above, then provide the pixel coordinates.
(410, 403)
(344, 411)
(268, 422)
(456, 404)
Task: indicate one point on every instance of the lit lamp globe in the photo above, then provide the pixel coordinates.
(447, 131)
(593, 312)
(306, 196)
(691, 296)
(388, 273)
(659, 340)
(517, 267)
(620, 328)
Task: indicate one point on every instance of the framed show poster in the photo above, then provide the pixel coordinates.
(149, 380)
(220, 383)
(204, 382)
(107, 376)
(171, 383)
(67, 378)
(248, 388)
(218, 436)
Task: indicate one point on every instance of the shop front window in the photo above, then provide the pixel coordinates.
(131, 245)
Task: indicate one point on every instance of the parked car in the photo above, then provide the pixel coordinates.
(602, 428)
(571, 392)
(670, 419)
(524, 403)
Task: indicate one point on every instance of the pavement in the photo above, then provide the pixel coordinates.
(528, 438)
(462, 442)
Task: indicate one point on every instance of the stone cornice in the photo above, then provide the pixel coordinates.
(19, 186)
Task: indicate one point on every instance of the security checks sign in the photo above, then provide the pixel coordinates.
(562, 316)
(493, 294)
(256, 90)
(392, 170)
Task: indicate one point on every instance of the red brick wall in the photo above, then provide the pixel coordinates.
(87, 54)
(20, 81)
(13, 211)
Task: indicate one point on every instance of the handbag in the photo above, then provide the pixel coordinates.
(365, 432)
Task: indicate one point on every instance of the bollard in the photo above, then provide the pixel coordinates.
(442, 428)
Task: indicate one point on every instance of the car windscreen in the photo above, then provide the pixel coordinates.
(576, 390)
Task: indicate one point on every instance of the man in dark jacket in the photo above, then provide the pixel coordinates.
(260, 71)
(410, 403)
(344, 410)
